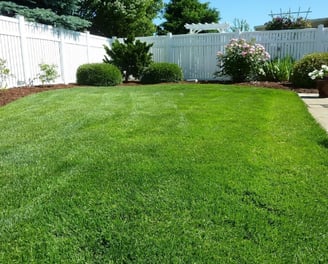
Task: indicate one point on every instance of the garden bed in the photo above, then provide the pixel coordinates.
(12, 94)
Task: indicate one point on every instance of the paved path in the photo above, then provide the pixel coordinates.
(318, 107)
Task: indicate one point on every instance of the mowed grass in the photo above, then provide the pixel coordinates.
(162, 174)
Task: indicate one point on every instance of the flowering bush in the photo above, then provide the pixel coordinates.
(242, 60)
(287, 22)
(304, 66)
(319, 74)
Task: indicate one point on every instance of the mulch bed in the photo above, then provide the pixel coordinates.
(12, 94)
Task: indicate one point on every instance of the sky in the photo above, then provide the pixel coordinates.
(256, 12)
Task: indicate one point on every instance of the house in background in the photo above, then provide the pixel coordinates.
(314, 22)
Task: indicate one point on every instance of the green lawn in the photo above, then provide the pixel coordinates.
(162, 174)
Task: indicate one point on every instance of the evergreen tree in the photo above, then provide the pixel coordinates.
(58, 13)
(109, 18)
(60, 7)
(131, 57)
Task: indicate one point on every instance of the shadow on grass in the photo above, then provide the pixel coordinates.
(324, 142)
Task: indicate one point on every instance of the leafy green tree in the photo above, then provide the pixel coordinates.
(56, 13)
(131, 57)
(109, 18)
(179, 12)
(121, 18)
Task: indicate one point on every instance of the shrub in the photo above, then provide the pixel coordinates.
(242, 60)
(98, 74)
(322, 73)
(278, 69)
(162, 72)
(131, 57)
(48, 73)
(4, 73)
(287, 22)
(304, 66)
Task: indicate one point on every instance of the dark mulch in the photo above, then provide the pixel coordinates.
(12, 94)
(9, 95)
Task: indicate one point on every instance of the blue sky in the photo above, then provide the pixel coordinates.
(256, 12)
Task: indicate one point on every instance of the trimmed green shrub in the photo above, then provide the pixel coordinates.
(304, 66)
(98, 74)
(162, 72)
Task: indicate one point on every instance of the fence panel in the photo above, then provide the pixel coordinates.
(25, 45)
(281, 43)
(43, 45)
(10, 49)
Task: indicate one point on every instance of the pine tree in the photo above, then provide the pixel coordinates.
(131, 57)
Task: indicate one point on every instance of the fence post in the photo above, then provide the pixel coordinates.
(319, 38)
(62, 55)
(87, 36)
(23, 44)
(169, 52)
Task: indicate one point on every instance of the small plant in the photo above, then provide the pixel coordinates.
(162, 72)
(131, 57)
(4, 74)
(48, 73)
(287, 22)
(242, 60)
(278, 69)
(98, 74)
(304, 66)
(319, 74)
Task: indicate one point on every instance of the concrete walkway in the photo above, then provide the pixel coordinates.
(318, 107)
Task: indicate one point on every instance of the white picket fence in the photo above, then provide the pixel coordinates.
(25, 45)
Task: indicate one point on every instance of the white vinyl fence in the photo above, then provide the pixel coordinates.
(25, 45)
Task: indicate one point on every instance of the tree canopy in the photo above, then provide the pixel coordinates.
(57, 13)
(179, 12)
(122, 18)
(119, 18)
(60, 7)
